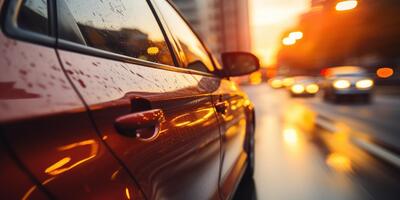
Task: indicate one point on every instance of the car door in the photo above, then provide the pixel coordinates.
(230, 102)
(153, 115)
(235, 122)
(49, 148)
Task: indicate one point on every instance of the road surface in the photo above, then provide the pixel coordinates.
(307, 149)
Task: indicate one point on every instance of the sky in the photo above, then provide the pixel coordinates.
(270, 18)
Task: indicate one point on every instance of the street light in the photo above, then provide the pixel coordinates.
(292, 38)
(296, 35)
(346, 5)
(288, 41)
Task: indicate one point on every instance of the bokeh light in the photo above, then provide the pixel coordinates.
(312, 88)
(346, 5)
(339, 162)
(290, 136)
(385, 72)
(297, 35)
(288, 41)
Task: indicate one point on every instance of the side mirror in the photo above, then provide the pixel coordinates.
(238, 64)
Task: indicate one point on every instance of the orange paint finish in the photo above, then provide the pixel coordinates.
(187, 138)
(78, 126)
(46, 124)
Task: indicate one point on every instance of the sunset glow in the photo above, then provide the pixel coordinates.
(270, 19)
(346, 5)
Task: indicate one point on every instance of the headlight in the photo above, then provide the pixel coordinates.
(276, 83)
(341, 84)
(297, 89)
(287, 82)
(312, 88)
(364, 84)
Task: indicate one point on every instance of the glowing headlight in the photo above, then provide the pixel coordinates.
(364, 84)
(287, 82)
(276, 83)
(341, 84)
(297, 89)
(312, 88)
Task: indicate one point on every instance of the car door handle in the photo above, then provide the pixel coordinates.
(142, 125)
(221, 107)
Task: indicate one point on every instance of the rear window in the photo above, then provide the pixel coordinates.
(33, 16)
(126, 27)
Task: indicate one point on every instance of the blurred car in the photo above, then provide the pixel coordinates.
(287, 82)
(304, 86)
(113, 109)
(346, 82)
(276, 82)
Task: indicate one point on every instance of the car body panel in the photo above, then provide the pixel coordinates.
(233, 129)
(186, 152)
(14, 183)
(61, 140)
(31, 82)
(46, 124)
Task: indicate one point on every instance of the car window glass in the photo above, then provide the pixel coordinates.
(196, 56)
(126, 27)
(33, 16)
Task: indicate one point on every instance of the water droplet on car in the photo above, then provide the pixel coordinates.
(82, 83)
(23, 72)
(41, 86)
(68, 63)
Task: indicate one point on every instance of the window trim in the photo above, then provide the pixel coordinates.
(168, 33)
(11, 28)
(164, 33)
(92, 51)
(194, 32)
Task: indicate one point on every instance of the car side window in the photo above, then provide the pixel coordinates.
(126, 27)
(33, 16)
(196, 55)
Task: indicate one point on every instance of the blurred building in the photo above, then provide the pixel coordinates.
(224, 25)
(315, 3)
(367, 36)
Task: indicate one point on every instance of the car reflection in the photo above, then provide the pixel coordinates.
(128, 195)
(10, 91)
(61, 165)
(235, 129)
(335, 140)
(290, 136)
(200, 115)
(34, 188)
(339, 162)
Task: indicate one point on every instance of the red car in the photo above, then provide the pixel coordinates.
(117, 100)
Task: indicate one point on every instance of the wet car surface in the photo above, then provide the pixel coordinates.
(113, 108)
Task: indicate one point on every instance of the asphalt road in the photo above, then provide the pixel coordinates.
(308, 149)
